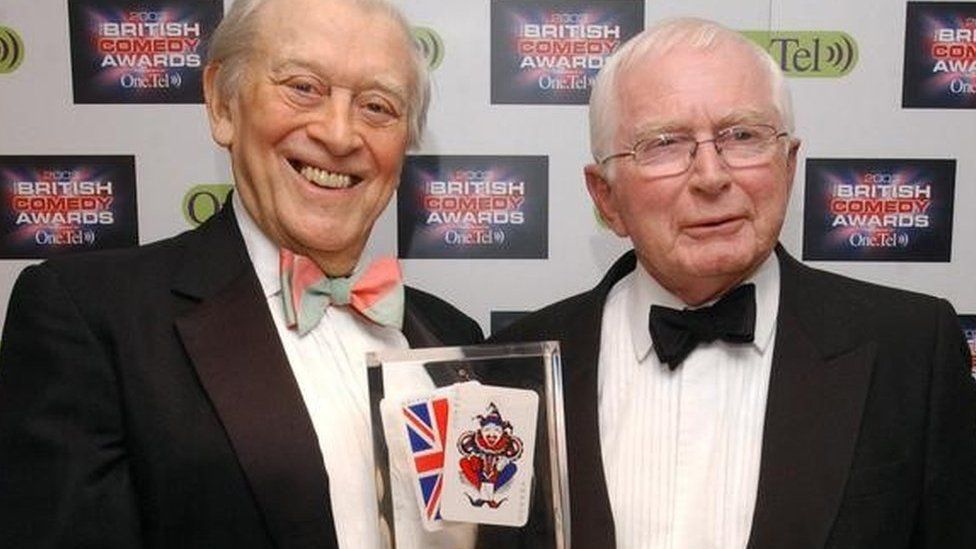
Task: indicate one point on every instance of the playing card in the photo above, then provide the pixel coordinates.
(489, 456)
(424, 422)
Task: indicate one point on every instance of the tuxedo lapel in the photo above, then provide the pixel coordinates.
(817, 388)
(591, 516)
(232, 342)
(417, 330)
(591, 519)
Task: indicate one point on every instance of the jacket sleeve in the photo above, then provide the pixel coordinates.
(948, 509)
(64, 472)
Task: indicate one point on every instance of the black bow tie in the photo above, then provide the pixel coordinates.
(676, 333)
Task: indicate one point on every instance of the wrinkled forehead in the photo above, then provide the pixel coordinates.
(282, 22)
(726, 79)
(316, 32)
(672, 59)
(274, 14)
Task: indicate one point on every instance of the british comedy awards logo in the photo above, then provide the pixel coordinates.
(59, 204)
(11, 50)
(878, 210)
(549, 51)
(940, 55)
(474, 207)
(820, 54)
(148, 51)
(969, 329)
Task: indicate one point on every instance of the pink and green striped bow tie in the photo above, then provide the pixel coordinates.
(375, 292)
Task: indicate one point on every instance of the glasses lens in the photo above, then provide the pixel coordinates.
(746, 145)
(740, 146)
(664, 154)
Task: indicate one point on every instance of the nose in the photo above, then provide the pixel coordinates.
(710, 174)
(333, 124)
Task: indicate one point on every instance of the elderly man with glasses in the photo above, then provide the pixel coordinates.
(718, 392)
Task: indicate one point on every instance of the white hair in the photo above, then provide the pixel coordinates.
(684, 32)
(232, 44)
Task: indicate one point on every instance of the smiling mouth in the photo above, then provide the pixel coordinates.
(324, 178)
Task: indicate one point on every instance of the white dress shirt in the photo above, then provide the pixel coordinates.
(681, 449)
(330, 368)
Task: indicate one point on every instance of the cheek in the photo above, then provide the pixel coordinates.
(770, 204)
(269, 125)
(255, 151)
(379, 195)
(389, 154)
(772, 193)
(651, 212)
(389, 163)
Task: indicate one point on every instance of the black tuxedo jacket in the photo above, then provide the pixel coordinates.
(870, 429)
(146, 401)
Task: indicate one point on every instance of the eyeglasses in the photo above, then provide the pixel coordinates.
(741, 146)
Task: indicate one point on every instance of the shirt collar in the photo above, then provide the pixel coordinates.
(262, 250)
(645, 291)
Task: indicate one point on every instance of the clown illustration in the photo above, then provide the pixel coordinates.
(488, 457)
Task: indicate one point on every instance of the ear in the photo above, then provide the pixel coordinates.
(791, 155)
(601, 192)
(218, 108)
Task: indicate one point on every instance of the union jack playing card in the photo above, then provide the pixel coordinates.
(425, 424)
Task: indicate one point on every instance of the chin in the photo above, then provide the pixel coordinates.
(316, 236)
(330, 246)
(710, 263)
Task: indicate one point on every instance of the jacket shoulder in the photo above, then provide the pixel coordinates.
(118, 269)
(577, 314)
(451, 325)
(551, 321)
(840, 312)
(861, 295)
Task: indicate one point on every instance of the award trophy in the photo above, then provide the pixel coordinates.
(469, 446)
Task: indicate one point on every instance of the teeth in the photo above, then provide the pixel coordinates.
(324, 178)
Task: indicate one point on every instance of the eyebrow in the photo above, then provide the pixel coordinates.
(654, 129)
(379, 82)
(740, 116)
(745, 116)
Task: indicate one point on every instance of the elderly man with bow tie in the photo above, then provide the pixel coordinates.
(718, 393)
(210, 390)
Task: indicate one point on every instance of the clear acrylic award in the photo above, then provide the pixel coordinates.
(469, 445)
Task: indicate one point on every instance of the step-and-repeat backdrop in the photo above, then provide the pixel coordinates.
(104, 141)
